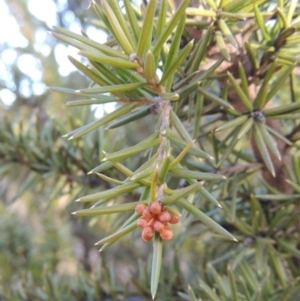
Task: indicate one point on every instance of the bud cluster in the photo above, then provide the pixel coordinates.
(155, 218)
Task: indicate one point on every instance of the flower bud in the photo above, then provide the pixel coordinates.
(158, 226)
(146, 238)
(142, 223)
(147, 215)
(174, 219)
(140, 208)
(147, 233)
(155, 207)
(166, 234)
(165, 216)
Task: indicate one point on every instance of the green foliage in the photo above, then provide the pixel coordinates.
(215, 84)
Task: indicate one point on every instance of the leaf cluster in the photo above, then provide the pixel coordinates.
(225, 152)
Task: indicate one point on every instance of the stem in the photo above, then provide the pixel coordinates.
(165, 122)
(163, 149)
(164, 106)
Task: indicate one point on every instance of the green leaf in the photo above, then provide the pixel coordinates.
(109, 179)
(278, 135)
(294, 185)
(189, 174)
(153, 187)
(130, 151)
(200, 50)
(193, 150)
(278, 84)
(230, 147)
(105, 72)
(127, 172)
(156, 263)
(263, 149)
(243, 97)
(163, 170)
(111, 193)
(150, 163)
(169, 96)
(270, 142)
(150, 69)
(290, 116)
(131, 117)
(242, 6)
(145, 37)
(209, 292)
(168, 200)
(179, 128)
(244, 83)
(131, 220)
(132, 19)
(227, 32)
(187, 90)
(234, 292)
(104, 22)
(117, 235)
(245, 127)
(173, 51)
(112, 88)
(216, 99)
(288, 247)
(205, 219)
(252, 55)
(222, 45)
(161, 22)
(108, 210)
(292, 7)
(93, 101)
(71, 41)
(233, 16)
(282, 109)
(87, 41)
(105, 59)
(281, 19)
(200, 12)
(173, 210)
(261, 23)
(102, 167)
(89, 73)
(278, 265)
(170, 27)
(182, 154)
(261, 99)
(69, 91)
(209, 196)
(176, 63)
(277, 197)
(249, 275)
(217, 279)
(144, 173)
(191, 293)
(116, 27)
(123, 23)
(104, 120)
(232, 123)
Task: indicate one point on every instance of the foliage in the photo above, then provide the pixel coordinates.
(215, 83)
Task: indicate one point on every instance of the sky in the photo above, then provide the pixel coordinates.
(45, 10)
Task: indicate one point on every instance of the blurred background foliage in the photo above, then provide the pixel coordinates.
(40, 241)
(47, 254)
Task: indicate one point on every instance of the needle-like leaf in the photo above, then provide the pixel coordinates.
(170, 27)
(205, 219)
(263, 149)
(146, 32)
(156, 263)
